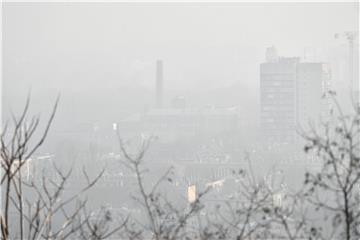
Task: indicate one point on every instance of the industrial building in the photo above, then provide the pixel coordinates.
(176, 120)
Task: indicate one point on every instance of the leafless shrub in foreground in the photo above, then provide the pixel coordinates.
(327, 208)
(165, 220)
(334, 190)
(39, 209)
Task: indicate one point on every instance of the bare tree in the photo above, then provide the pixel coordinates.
(262, 208)
(328, 196)
(334, 190)
(242, 216)
(99, 225)
(327, 207)
(38, 208)
(165, 220)
(16, 149)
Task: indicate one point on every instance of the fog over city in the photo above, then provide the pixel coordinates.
(232, 103)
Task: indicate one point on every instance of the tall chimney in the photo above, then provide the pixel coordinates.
(159, 83)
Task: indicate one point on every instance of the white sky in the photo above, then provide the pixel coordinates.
(70, 47)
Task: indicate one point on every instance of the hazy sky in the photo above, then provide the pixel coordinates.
(98, 50)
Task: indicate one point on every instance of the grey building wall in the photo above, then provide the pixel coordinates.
(291, 95)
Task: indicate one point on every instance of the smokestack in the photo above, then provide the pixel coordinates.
(159, 83)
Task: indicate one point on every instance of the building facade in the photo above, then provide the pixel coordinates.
(291, 96)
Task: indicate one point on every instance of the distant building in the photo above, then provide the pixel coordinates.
(344, 60)
(174, 123)
(170, 123)
(178, 120)
(291, 95)
(271, 54)
(312, 82)
(278, 99)
(178, 102)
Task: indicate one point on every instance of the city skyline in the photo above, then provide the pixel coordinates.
(154, 120)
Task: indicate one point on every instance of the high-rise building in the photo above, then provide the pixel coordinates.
(291, 95)
(312, 82)
(278, 99)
